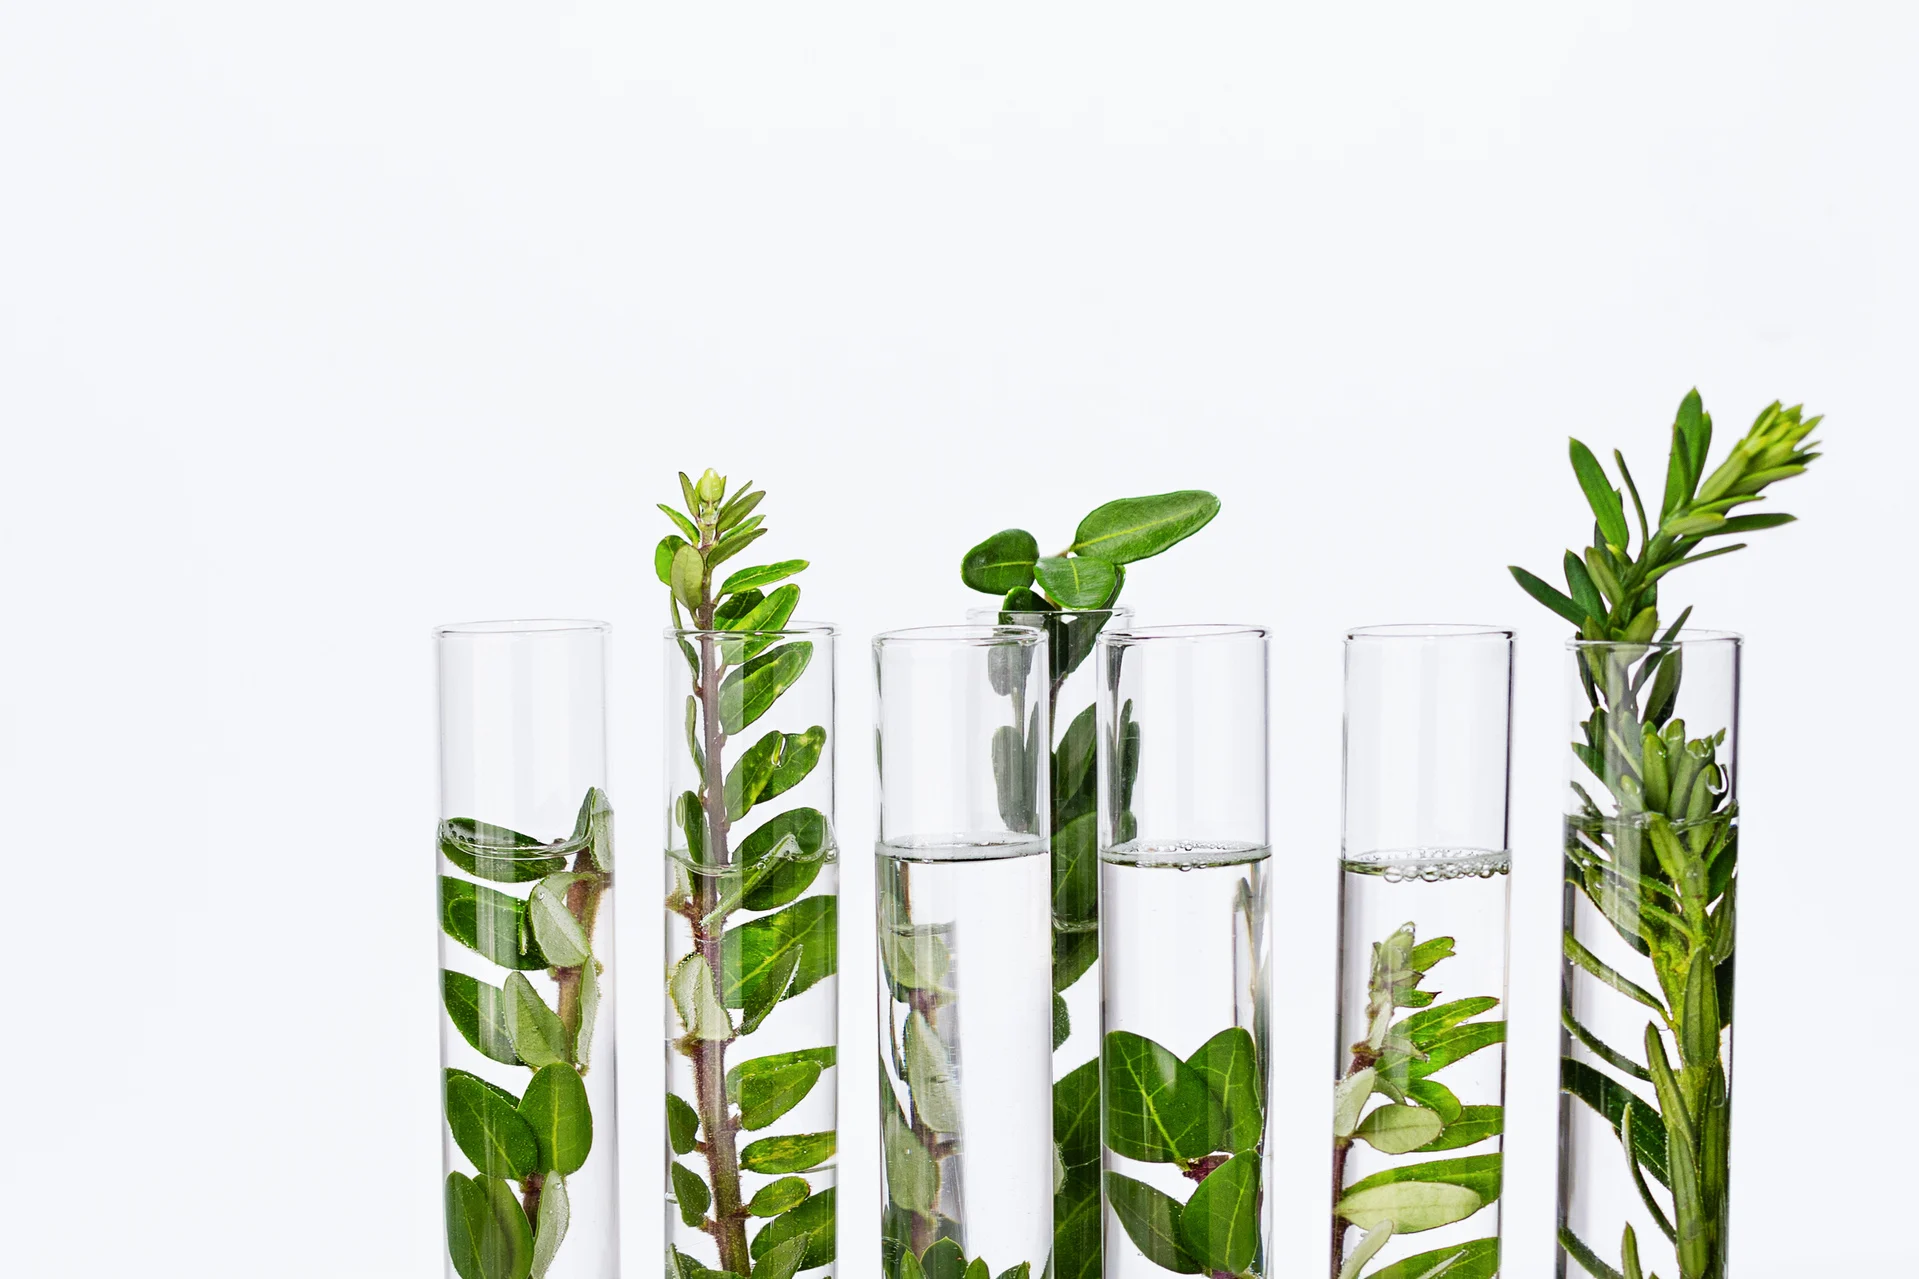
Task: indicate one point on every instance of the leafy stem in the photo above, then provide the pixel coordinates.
(1397, 1060)
(1657, 854)
(738, 667)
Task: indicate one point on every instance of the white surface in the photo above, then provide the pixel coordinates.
(322, 324)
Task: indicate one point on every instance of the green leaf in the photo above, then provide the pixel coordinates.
(742, 1071)
(593, 828)
(689, 572)
(489, 922)
(1151, 1219)
(1158, 1108)
(691, 989)
(1610, 1099)
(812, 1220)
(912, 1174)
(682, 1124)
(944, 1260)
(1076, 870)
(761, 623)
(1436, 1097)
(1475, 1259)
(663, 557)
(728, 547)
(496, 853)
(1230, 1067)
(1136, 528)
(1577, 1249)
(930, 1076)
(1074, 951)
(487, 1128)
(1474, 1125)
(1608, 507)
(1220, 1223)
(538, 1037)
(1395, 1130)
(976, 1269)
(691, 819)
(782, 1260)
(555, 1215)
(1073, 771)
(1076, 1125)
(487, 1232)
(750, 774)
(1477, 1173)
(1429, 952)
(1605, 973)
(478, 1012)
(1002, 563)
(739, 507)
(1349, 1099)
(686, 526)
(1079, 581)
(754, 950)
(799, 1153)
(749, 691)
(1411, 1206)
(1449, 1046)
(556, 1109)
(689, 1189)
(1584, 593)
(765, 994)
(1368, 1249)
(796, 870)
(761, 575)
(1076, 1235)
(589, 1013)
(1024, 1270)
(766, 1095)
(799, 752)
(561, 936)
(1547, 594)
(776, 1197)
(1062, 1022)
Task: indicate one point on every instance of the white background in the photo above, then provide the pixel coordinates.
(320, 324)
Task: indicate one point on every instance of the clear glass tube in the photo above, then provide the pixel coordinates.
(1651, 869)
(527, 975)
(965, 947)
(752, 951)
(1186, 955)
(1072, 690)
(1420, 1068)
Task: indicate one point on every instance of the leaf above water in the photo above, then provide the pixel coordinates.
(1136, 528)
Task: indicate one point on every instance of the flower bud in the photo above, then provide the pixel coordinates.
(712, 486)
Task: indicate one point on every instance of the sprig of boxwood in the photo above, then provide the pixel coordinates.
(738, 973)
(508, 1218)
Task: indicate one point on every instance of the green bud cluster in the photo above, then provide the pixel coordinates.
(712, 529)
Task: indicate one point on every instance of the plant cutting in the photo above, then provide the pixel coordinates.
(1072, 596)
(752, 923)
(1651, 849)
(1416, 1114)
(509, 1218)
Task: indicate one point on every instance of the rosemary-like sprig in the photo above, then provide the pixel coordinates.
(1659, 863)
